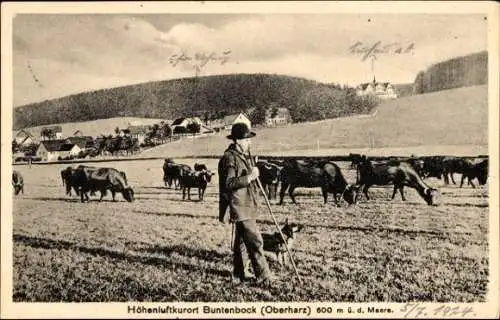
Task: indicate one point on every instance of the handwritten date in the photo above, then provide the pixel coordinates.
(417, 310)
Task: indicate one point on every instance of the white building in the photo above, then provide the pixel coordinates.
(180, 123)
(282, 117)
(231, 119)
(51, 150)
(382, 90)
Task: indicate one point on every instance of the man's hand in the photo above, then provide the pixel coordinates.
(254, 174)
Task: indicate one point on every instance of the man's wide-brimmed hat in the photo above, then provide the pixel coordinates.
(239, 131)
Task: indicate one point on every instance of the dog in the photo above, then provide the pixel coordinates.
(274, 247)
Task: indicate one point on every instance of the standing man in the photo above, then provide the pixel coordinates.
(238, 193)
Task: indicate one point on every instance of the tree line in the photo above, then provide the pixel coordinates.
(453, 73)
(209, 97)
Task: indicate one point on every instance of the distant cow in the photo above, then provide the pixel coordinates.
(269, 177)
(355, 159)
(399, 174)
(173, 171)
(433, 167)
(168, 166)
(325, 175)
(453, 165)
(476, 170)
(200, 167)
(90, 179)
(196, 179)
(17, 182)
(68, 180)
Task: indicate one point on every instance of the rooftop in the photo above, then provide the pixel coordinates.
(53, 128)
(57, 145)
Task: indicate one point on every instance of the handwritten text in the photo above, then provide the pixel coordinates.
(378, 48)
(417, 310)
(201, 59)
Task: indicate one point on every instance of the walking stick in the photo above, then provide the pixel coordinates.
(231, 245)
(274, 219)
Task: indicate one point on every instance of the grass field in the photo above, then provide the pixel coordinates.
(446, 122)
(161, 248)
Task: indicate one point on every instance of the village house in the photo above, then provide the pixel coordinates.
(51, 133)
(83, 142)
(277, 117)
(24, 138)
(52, 150)
(179, 122)
(180, 125)
(138, 132)
(382, 90)
(231, 119)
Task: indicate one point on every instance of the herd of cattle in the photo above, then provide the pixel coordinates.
(291, 174)
(313, 173)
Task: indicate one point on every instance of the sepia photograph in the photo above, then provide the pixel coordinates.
(218, 160)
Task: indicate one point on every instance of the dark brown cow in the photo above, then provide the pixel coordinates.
(355, 159)
(195, 179)
(433, 167)
(200, 167)
(476, 170)
(453, 165)
(102, 179)
(399, 174)
(68, 180)
(172, 172)
(17, 182)
(269, 177)
(324, 175)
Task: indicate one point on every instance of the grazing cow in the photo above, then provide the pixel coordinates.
(124, 176)
(399, 174)
(102, 179)
(417, 165)
(476, 170)
(325, 175)
(17, 182)
(68, 179)
(195, 179)
(200, 167)
(269, 177)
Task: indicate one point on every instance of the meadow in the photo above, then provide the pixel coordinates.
(161, 248)
(448, 122)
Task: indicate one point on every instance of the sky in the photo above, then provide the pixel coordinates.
(58, 55)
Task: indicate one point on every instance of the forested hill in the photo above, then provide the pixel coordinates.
(469, 70)
(210, 96)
